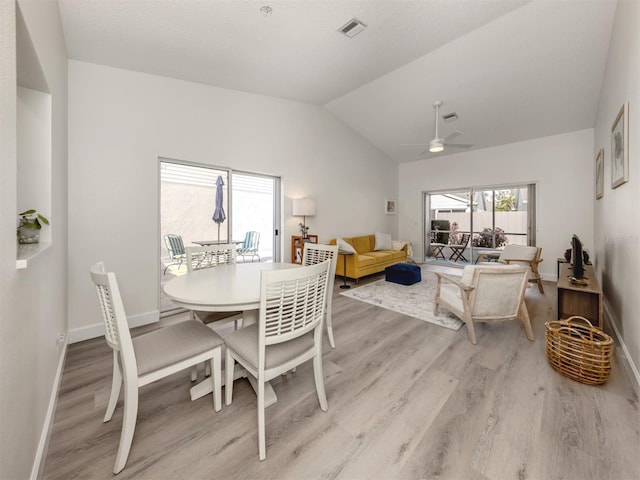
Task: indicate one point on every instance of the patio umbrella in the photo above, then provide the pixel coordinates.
(218, 213)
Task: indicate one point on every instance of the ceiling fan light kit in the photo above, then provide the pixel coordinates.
(436, 146)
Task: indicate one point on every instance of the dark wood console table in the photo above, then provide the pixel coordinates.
(583, 300)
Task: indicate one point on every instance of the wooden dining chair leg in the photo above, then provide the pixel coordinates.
(262, 447)
(328, 319)
(128, 424)
(332, 342)
(116, 384)
(229, 364)
(319, 378)
(216, 378)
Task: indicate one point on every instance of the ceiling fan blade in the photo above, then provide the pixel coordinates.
(424, 153)
(458, 145)
(452, 135)
(414, 144)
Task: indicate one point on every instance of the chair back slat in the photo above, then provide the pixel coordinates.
(315, 253)
(174, 244)
(292, 301)
(250, 243)
(318, 253)
(210, 256)
(116, 325)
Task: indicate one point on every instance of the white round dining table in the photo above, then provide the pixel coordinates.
(226, 288)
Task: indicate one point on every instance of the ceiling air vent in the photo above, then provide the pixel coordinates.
(450, 117)
(352, 28)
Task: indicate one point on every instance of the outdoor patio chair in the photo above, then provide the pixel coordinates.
(485, 293)
(175, 247)
(457, 251)
(249, 247)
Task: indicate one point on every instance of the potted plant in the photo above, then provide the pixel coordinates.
(29, 228)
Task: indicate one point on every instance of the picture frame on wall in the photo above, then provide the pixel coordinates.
(620, 148)
(390, 207)
(600, 174)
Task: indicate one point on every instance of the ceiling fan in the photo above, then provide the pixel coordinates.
(437, 144)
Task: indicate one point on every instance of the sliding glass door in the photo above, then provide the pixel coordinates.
(256, 201)
(188, 199)
(477, 220)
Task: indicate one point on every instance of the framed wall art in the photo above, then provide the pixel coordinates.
(390, 207)
(620, 148)
(600, 174)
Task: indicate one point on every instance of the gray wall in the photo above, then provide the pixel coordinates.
(617, 216)
(33, 305)
(121, 122)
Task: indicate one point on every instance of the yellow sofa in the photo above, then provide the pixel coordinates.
(366, 261)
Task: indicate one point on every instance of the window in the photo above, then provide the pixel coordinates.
(489, 218)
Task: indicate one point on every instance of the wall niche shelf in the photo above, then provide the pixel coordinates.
(27, 252)
(33, 140)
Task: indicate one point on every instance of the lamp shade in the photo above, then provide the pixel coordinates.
(304, 207)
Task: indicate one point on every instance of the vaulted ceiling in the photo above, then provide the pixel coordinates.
(512, 70)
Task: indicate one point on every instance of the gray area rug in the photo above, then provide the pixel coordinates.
(413, 300)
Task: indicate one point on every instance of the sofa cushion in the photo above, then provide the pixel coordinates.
(366, 260)
(382, 241)
(362, 244)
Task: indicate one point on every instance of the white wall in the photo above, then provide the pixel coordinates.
(560, 165)
(120, 122)
(617, 216)
(32, 301)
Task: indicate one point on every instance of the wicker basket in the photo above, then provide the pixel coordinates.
(578, 350)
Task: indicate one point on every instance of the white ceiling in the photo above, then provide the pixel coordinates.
(511, 69)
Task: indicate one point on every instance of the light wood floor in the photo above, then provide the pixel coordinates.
(407, 400)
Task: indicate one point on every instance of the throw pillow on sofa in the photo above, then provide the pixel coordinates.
(343, 245)
(383, 241)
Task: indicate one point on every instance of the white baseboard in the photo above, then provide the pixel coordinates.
(97, 330)
(38, 464)
(630, 366)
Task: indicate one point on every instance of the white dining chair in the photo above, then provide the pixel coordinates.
(317, 253)
(288, 333)
(147, 358)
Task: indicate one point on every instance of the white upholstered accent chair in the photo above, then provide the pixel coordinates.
(146, 358)
(485, 293)
(288, 333)
(524, 255)
(317, 253)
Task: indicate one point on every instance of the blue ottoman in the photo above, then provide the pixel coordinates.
(403, 273)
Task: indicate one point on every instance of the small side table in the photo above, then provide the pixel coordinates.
(344, 254)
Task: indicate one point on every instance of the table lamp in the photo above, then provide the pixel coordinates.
(304, 207)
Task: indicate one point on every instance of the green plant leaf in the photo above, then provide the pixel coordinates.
(44, 219)
(27, 212)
